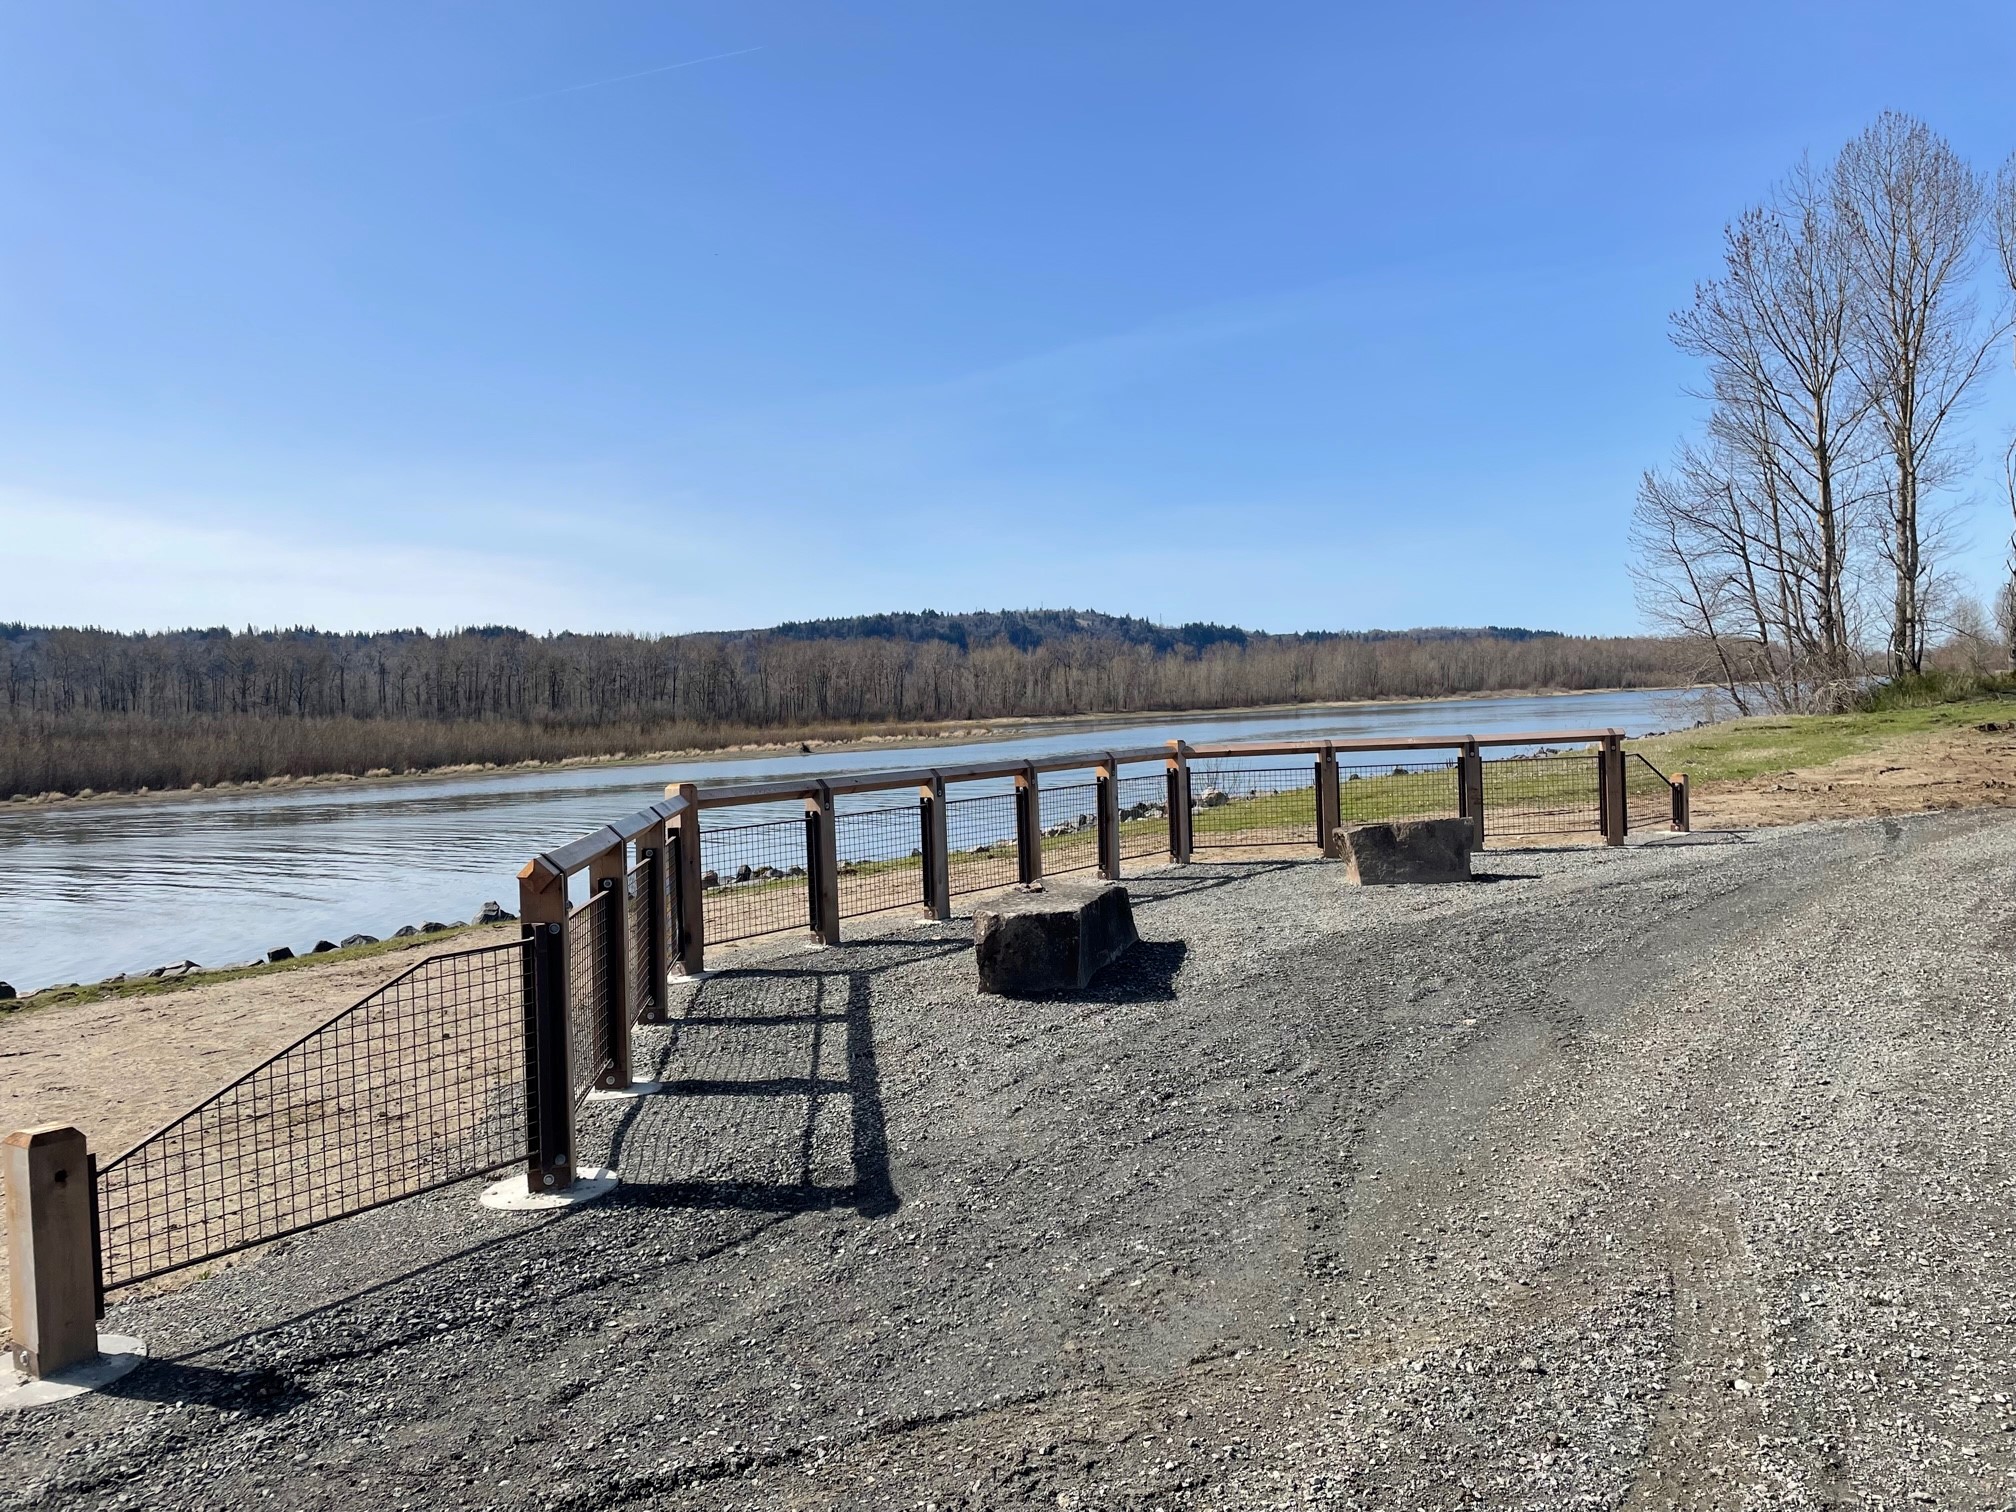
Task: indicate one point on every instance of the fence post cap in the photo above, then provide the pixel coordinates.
(38, 1135)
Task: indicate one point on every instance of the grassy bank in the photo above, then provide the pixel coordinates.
(1742, 749)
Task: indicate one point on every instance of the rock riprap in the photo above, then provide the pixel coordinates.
(1408, 850)
(1052, 939)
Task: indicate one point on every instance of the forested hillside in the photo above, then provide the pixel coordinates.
(88, 708)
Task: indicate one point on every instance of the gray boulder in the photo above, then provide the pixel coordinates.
(404, 932)
(432, 926)
(1052, 940)
(494, 912)
(351, 942)
(323, 947)
(1411, 850)
(7, 992)
(280, 953)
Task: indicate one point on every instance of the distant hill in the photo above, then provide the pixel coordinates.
(1026, 629)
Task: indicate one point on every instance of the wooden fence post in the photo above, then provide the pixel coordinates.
(1109, 818)
(1610, 788)
(1179, 803)
(1028, 828)
(549, 1083)
(52, 1266)
(822, 862)
(1329, 801)
(651, 855)
(1470, 790)
(1683, 814)
(692, 902)
(937, 855)
(608, 877)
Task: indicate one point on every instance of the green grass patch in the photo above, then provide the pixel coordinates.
(1738, 749)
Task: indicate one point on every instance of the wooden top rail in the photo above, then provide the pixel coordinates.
(729, 795)
(1551, 737)
(565, 860)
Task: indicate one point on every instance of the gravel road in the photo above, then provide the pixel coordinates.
(1677, 1176)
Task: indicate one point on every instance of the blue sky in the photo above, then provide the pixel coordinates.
(1293, 315)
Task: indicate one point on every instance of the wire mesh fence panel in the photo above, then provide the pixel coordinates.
(1648, 795)
(419, 1085)
(640, 897)
(1541, 795)
(1374, 792)
(881, 857)
(753, 879)
(1241, 806)
(1070, 815)
(1144, 817)
(588, 984)
(980, 842)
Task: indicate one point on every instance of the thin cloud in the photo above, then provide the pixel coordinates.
(573, 89)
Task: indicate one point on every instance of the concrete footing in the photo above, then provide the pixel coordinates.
(117, 1355)
(510, 1196)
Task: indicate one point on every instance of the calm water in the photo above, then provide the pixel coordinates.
(89, 891)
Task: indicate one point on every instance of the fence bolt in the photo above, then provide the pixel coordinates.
(51, 1265)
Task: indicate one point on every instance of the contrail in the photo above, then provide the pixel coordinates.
(554, 94)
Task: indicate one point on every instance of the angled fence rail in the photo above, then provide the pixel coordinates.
(419, 1085)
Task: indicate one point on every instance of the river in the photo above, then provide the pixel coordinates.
(87, 890)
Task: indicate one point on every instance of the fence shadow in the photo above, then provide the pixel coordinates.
(772, 1091)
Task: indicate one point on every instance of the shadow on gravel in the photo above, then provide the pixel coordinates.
(1160, 886)
(1505, 876)
(778, 1062)
(265, 1392)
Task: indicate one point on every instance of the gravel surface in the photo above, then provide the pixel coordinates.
(1671, 1176)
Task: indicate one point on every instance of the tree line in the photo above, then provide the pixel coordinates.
(106, 710)
(1801, 538)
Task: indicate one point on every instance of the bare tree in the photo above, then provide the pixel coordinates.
(1775, 332)
(1911, 211)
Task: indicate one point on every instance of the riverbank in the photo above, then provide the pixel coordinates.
(871, 738)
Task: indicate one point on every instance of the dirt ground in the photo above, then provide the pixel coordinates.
(1907, 775)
